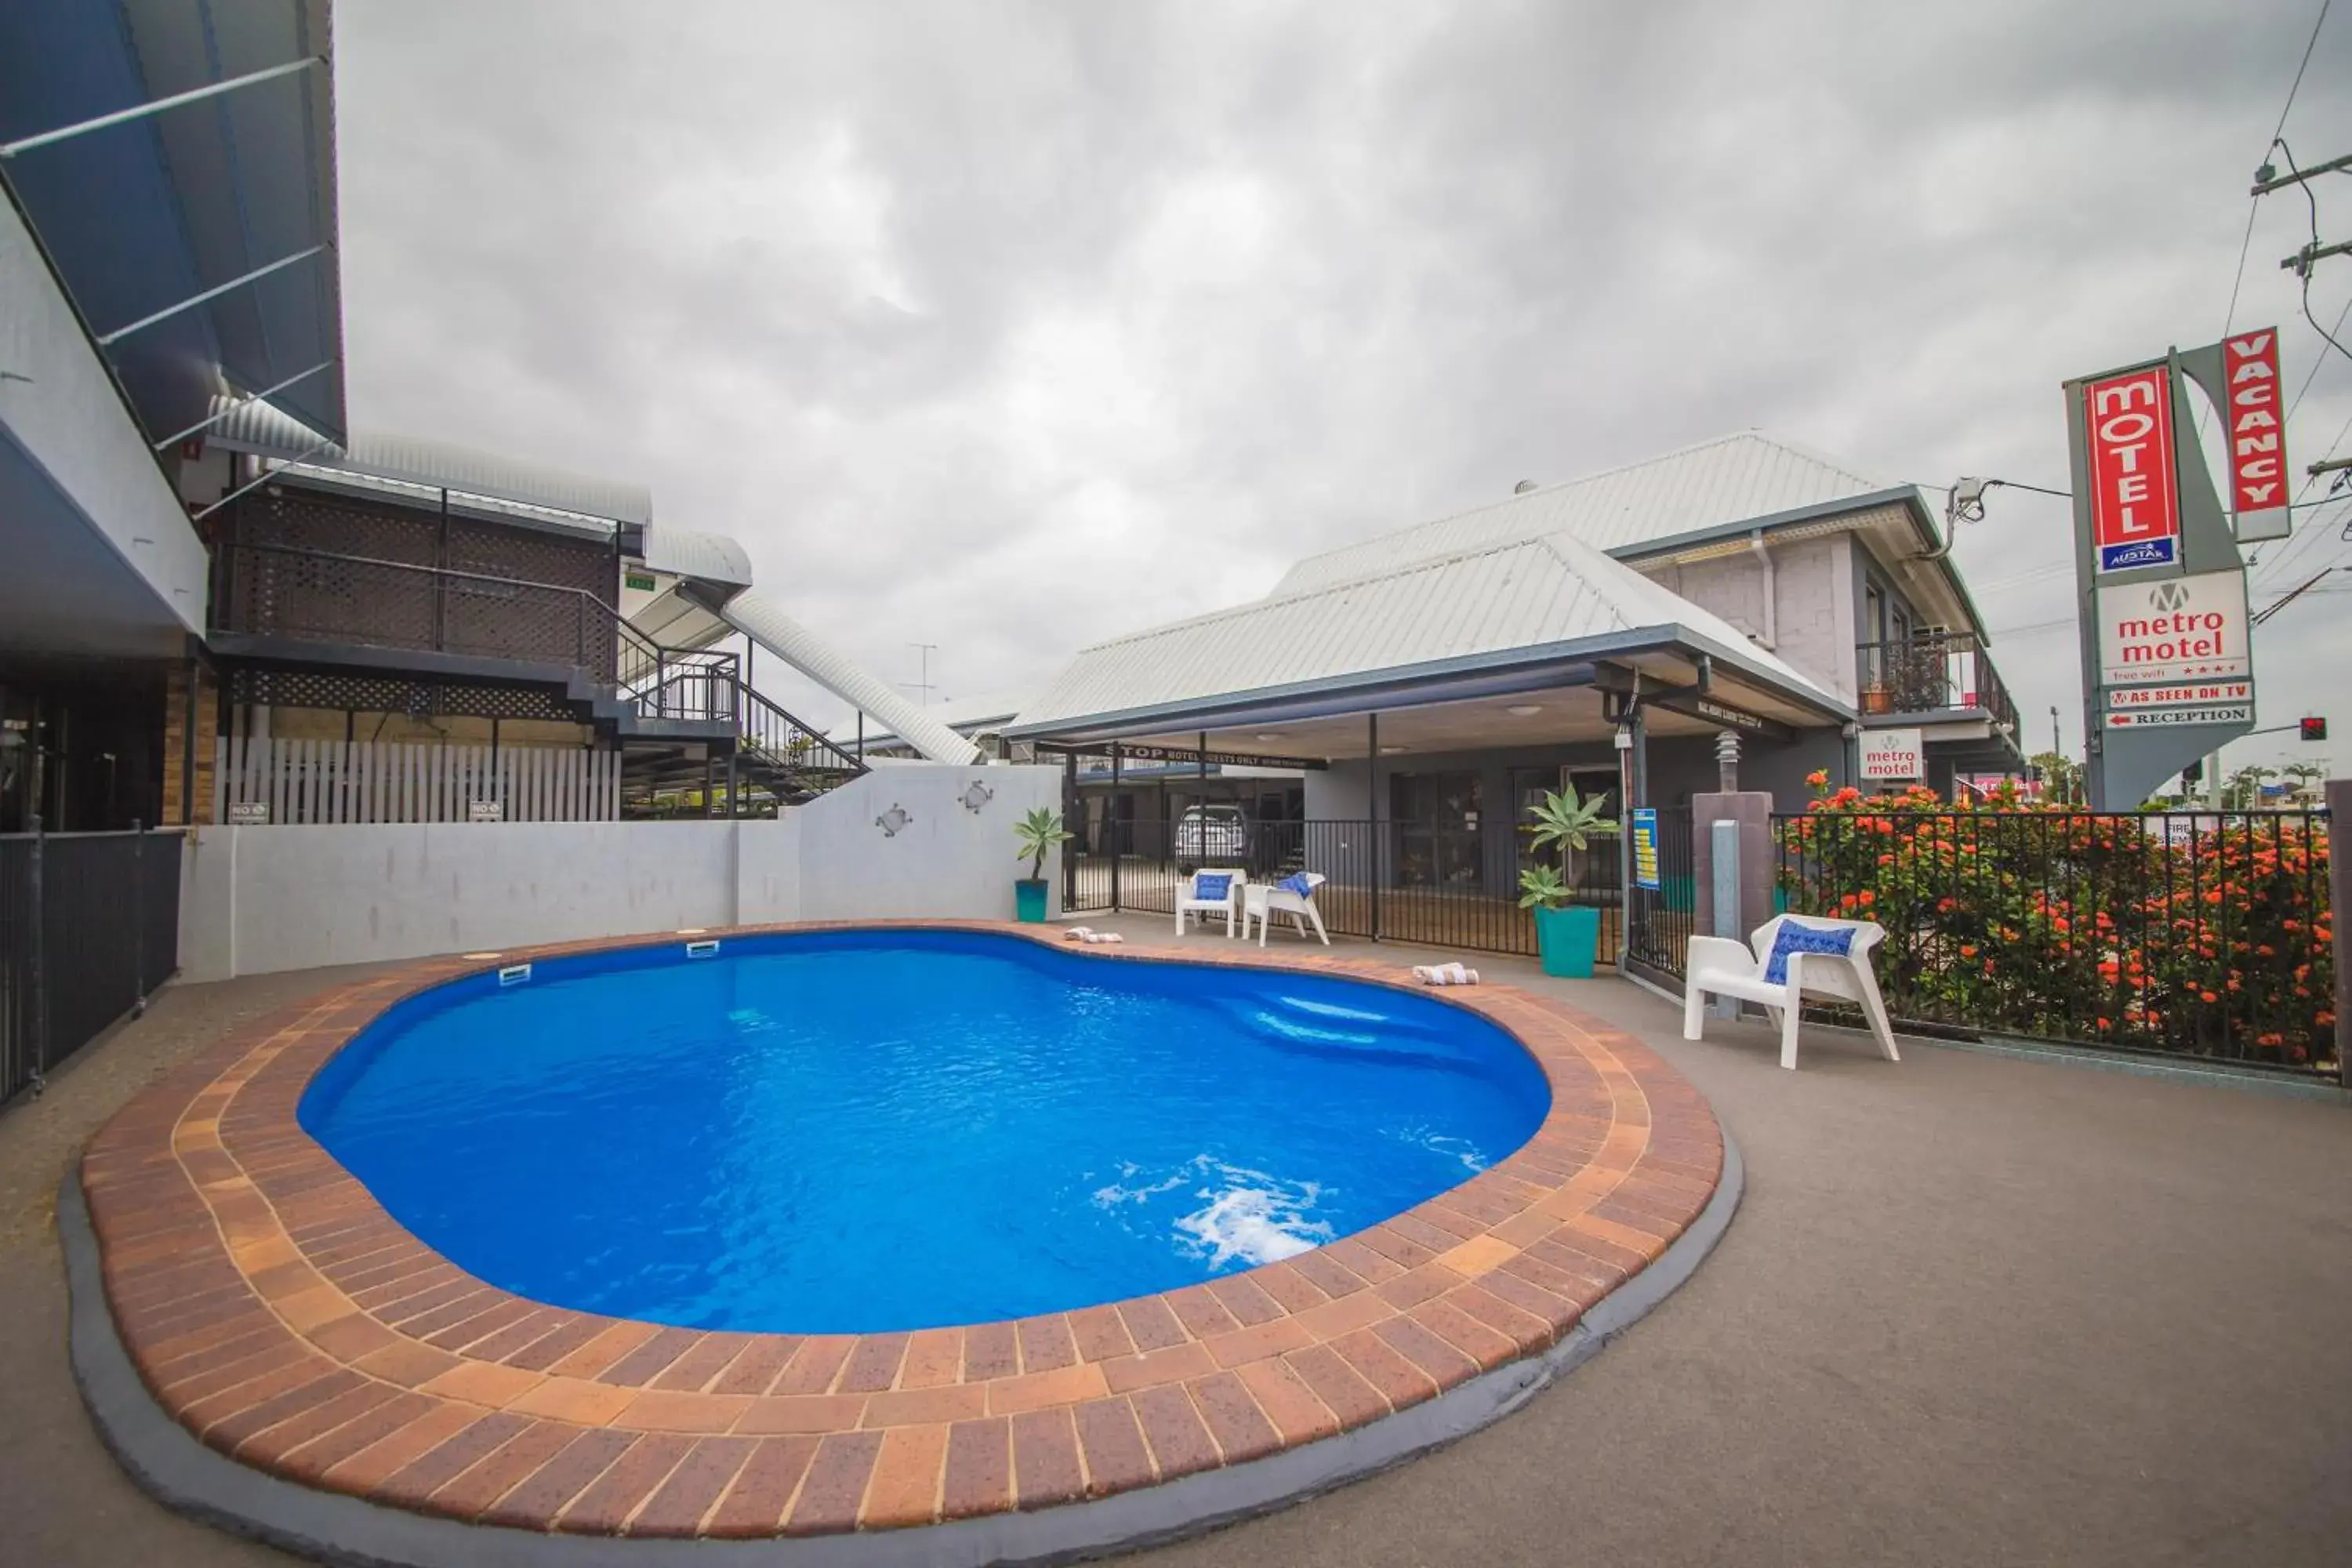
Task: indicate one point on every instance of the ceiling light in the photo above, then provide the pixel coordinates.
(1392, 751)
(1269, 735)
(1524, 709)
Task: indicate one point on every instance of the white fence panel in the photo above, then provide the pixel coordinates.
(299, 782)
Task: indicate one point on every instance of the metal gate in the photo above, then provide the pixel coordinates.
(90, 926)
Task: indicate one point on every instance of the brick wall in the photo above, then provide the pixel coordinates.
(175, 720)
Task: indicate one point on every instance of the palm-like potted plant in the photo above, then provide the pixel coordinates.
(1568, 935)
(1040, 833)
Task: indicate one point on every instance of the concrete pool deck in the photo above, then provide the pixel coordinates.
(1975, 1310)
(275, 1311)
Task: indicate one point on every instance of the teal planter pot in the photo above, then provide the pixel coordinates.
(1029, 902)
(1568, 938)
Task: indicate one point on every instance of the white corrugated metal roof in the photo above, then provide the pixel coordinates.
(256, 426)
(1730, 479)
(1492, 599)
(964, 715)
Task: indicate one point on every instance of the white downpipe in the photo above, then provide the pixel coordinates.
(793, 643)
(1772, 638)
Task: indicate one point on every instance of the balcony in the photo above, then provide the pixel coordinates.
(1934, 673)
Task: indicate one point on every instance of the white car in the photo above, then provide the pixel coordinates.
(1213, 835)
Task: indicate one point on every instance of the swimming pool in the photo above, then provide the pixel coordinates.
(858, 1131)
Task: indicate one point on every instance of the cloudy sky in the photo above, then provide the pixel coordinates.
(1007, 327)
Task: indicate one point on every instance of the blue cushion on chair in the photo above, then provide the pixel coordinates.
(1794, 938)
(1296, 882)
(1209, 889)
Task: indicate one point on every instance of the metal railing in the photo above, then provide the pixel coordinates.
(1385, 880)
(1932, 672)
(2185, 933)
(321, 595)
(90, 926)
(771, 739)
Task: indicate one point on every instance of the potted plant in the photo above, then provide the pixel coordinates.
(1568, 935)
(1040, 833)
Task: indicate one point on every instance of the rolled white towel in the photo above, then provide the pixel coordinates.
(1097, 937)
(1078, 933)
(1444, 974)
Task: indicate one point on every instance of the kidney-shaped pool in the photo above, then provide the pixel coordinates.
(867, 1131)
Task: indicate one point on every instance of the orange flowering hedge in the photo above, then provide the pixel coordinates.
(2202, 934)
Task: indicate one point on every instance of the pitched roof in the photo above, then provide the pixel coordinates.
(964, 715)
(1526, 592)
(1730, 479)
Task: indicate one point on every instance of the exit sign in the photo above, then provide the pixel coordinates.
(639, 580)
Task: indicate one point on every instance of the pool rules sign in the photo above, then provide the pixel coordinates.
(2167, 665)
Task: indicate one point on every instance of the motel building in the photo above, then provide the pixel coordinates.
(1426, 686)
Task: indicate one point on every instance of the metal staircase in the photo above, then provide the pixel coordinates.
(698, 740)
(695, 739)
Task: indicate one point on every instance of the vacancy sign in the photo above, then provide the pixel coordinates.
(2257, 435)
(2135, 505)
(1889, 755)
(2174, 631)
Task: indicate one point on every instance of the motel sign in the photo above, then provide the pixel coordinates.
(2168, 667)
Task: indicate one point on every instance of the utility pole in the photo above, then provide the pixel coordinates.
(923, 686)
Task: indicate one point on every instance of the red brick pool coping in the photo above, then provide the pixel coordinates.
(276, 1312)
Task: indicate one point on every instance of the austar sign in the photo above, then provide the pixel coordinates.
(2134, 509)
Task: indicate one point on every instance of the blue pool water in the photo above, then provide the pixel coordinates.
(864, 1130)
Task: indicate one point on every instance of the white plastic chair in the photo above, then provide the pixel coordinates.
(1718, 967)
(1188, 901)
(1262, 901)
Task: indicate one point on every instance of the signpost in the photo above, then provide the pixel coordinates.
(2167, 665)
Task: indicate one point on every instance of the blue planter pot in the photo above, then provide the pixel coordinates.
(1569, 940)
(1029, 902)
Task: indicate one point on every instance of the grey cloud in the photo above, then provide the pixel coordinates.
(1009, 327)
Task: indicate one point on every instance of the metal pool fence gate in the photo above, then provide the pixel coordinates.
(90, 926)
(1390, 880)
(1663, 917)
(2185, 933)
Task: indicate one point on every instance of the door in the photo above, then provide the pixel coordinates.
(1438, 830)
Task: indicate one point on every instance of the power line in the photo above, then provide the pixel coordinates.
(2311, 530)
(2303, 262)
(2246, 244)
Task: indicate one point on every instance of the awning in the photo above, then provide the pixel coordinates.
(145, 214)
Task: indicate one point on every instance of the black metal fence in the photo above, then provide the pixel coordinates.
(1390, 880)
(90, 926)
(2188, 934)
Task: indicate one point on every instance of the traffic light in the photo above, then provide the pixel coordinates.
(2315, 729)
(2192, 775)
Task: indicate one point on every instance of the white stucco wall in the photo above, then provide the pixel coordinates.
(1812, 624)
(261, 899)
